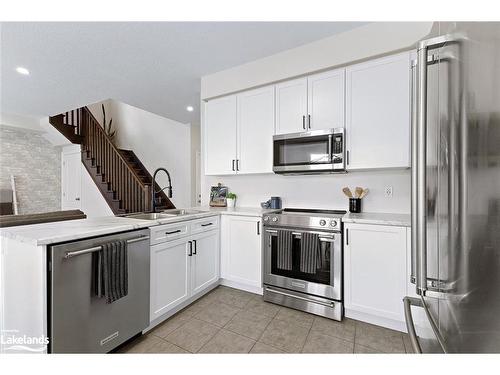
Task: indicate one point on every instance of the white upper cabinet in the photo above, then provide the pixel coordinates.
(255, 131)
(378, 113)
(291, 106)
(220, 136)
(326, 100)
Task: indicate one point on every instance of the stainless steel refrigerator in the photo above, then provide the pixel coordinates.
(456, 191)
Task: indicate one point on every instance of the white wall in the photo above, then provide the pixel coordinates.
(319, 191)
(158, 142)
(93, 203)
(365, 42)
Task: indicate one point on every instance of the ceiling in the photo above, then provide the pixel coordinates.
(155, 66)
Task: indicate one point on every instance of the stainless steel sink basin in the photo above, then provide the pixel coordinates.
(149, 216)
(179, 212)
(162, 215)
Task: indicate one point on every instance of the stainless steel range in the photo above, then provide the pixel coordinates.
(303, 260)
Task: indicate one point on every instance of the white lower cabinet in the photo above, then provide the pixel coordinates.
(375, 269)
(241, 252)
(183, 267)
(170, 267)
(205, 261)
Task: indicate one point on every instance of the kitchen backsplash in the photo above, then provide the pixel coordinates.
(319, 191)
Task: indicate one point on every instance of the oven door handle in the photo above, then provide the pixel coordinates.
(322, 236)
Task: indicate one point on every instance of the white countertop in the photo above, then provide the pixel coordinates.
(70, 230)
(241, 211)
(398, 220)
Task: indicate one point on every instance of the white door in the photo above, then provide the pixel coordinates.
(255, 130)
(378, 113)
(291, 106)
(205, 260)
(375, 270)
(220, 136)
(71, 178)
(326, 100)
(170, 265)
(241, 250)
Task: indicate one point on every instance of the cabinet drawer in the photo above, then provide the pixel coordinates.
(169, 232)
(204, 225)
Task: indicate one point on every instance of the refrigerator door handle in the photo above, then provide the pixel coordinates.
(410, 325)
(420, 173)
(414, 184)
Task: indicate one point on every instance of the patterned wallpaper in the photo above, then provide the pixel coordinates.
(36, 166)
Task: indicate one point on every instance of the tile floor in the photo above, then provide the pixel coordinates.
(233, 321)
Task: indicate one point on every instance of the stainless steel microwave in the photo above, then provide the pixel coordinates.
(319, 151)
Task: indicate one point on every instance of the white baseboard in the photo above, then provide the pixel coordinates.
(376, 320)
(241, 286)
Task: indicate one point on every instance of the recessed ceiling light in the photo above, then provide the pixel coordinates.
(189, 108)
(23, 71)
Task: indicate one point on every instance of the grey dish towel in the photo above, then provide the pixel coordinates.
(309, 251)
(110, 271)
(285, 240)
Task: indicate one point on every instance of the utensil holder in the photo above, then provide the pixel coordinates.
(355, 205)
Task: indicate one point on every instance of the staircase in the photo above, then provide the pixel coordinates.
(120, 176)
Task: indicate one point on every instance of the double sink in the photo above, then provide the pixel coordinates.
(164, 214)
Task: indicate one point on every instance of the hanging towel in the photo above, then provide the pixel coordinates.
(309, 251)
(110, 271)
(285, 240)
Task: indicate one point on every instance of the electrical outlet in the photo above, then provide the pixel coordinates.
(388, 191)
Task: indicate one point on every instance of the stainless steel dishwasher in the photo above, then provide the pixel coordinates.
(80, 322)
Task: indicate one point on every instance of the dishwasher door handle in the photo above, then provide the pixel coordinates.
(72, 254)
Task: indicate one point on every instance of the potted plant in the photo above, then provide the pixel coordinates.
(231, 199)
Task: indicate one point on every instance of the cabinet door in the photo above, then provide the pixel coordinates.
(375, 270)
(291, 106)
(255, 130)
(220, 135)
(241, 250)
(378, 113)
(71, 180)
(169, 276)
(326, 99)
(205, 261)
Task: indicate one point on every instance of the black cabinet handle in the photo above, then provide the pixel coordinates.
(175, 231)
(237, 164)
(190, 248)
(233, 164)
(258, 228)
(194, 247)
(347, 236)
(304, 122)
(309, 121)
(207, 224)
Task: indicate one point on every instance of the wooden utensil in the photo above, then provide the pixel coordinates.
(363, 193)
(358, 191)
(347, 192)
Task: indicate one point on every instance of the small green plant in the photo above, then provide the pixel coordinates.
(231, 196)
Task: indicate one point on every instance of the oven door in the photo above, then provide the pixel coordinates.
(326, 282)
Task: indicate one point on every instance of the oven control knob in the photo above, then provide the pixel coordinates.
(266, 218)
(322, 222)
(275, 219)
(333, 223)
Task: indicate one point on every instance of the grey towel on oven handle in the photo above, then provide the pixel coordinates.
(309, 248)
(284, 251)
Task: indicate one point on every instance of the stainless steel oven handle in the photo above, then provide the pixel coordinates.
(410, 325)
(331, 304)
(323, 236)
(72, 254)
